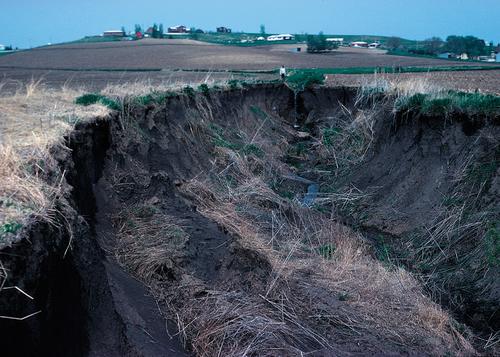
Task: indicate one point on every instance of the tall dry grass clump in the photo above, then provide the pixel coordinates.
(33, 121)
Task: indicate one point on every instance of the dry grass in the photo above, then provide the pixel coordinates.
(323, 276)
(149, 242)
(32, 122)
(380, 303)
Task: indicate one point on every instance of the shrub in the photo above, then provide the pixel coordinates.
(233, 84)
(189, 91)
(204, 89)
(300, 80)
(95, 98)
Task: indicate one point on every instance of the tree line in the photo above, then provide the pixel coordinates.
(471, 45)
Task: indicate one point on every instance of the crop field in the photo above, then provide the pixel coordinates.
(95, 65)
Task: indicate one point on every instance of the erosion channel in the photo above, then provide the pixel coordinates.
(208, 225)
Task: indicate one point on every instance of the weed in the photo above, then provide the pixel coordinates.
(252, 149)
(189, 91)
(327, 251)
(383, 250)
(203, 88)
(9, 228)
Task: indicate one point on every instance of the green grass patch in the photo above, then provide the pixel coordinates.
(300, 80)
(9, 228)
(448, 102)
(326, 251)
(96, 98)
(252, 149)
(153, 98)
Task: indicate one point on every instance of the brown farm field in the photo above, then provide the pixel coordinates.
(185, 54)
(95, 65)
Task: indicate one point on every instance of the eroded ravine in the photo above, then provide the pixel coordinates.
(136, 170)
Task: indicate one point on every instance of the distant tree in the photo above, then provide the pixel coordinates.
(433, 45)
(160, 31)
(155, 31)
(194, 34)
(319, 43)
(138, 28)
(263, 30)
(124, 31)
(393, 43)
(471, 45)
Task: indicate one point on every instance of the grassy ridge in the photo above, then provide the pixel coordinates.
(449, 102)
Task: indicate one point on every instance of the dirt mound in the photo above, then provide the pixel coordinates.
(212, 203)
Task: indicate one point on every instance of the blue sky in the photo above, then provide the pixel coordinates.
(28, 23)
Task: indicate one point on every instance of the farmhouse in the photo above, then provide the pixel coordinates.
(359, 44)
(113, 33)
(223, 29)
(374, 45)
(282, 37)
(178, 29)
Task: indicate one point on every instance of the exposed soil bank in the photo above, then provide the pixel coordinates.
(92, 306)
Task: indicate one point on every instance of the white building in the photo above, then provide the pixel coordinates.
(338, 40)
(2, 48)
(374, 45)
(359, 44)
(281, 37)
